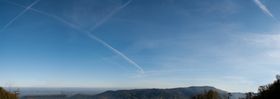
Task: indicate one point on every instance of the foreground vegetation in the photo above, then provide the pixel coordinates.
(270, 91)
(7, 95)
(211, 94)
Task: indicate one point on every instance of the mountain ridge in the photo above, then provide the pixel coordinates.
(148, 93)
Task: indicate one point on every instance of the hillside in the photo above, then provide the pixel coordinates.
(6, 95)
(174, 93)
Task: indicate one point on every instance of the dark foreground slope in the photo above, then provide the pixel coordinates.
(175, 93)
(270, 91)
(6, 95)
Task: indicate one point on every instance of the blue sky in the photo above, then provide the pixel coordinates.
(229, 44)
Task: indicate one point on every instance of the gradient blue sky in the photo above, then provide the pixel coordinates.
(230, 44)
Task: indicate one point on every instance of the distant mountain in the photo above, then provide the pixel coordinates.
(69, 91)
(174, 93)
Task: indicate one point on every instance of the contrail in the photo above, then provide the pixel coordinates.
(117, 52)
(20, 14)
(90, 35)
(114, 11)
(264, 8)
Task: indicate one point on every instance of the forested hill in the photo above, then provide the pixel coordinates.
(175, 93)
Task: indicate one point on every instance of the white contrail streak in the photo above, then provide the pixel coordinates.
(263, 8)
(90, 35)
(117, 52)
(19, 15)
(108, 16)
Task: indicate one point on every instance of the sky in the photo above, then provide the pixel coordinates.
(230, 44)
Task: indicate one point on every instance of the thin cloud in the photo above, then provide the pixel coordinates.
(270, 43)
(263, 8)
(19, 15)
(264, 40)
(108, 16)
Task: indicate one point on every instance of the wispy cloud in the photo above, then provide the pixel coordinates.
(269, 43)
(19, 15)
(108, 16)
(263, 8)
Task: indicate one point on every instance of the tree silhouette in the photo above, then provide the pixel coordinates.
(270, 91)
(6, 95)
(249, 95)
(211, 94)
